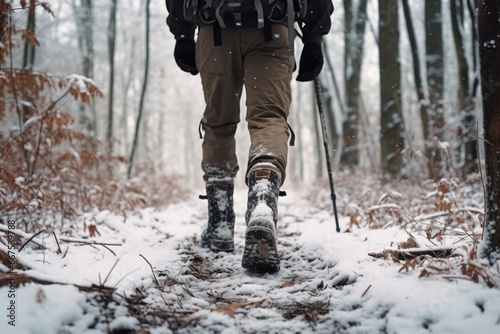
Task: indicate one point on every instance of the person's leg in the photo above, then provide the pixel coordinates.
(221, 74)
(268, 70)
(222, 80)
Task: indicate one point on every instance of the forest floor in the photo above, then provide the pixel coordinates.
(146, 273)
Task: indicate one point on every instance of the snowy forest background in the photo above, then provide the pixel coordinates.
(83, 38)
(75, 75)
(85, 182)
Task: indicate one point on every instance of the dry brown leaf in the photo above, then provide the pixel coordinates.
(410, 243)
(93, 231)
(229, 310)
(189, 320)
(40, 296)
(143, 331)
(411, 263)
(287, 284)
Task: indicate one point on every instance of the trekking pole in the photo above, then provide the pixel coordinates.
(319, 100)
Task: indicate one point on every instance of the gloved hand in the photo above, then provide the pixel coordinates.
(311, 62)
(184, 54)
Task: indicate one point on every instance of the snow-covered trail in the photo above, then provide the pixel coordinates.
(327, 284)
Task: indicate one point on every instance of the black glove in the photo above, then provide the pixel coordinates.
(184, 54)
(311, 62)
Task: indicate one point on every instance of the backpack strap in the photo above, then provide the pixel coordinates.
(291, 29)
(217, 13)
(268, 31)
(260, 13)
(217, 34)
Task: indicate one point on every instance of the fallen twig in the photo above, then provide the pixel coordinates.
(20, 234)
(150, 266)
(110, 271)
(76, 241)
(32, 237)
(364, 293)
(59, 251)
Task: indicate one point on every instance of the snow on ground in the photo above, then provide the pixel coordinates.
(328, 283)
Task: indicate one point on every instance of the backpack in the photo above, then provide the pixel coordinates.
(239, 13)
(242, 13)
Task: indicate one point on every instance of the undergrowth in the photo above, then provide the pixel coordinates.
(52, 167)
(446, 215)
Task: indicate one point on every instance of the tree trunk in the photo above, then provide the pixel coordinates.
(471, 5)
(143, 92)
(489, 42)
(467, 133)
(353, 57)
(87, 42)
(29, 56)
(435, 84)
(29, 48)
(84, 23)
(391, 116)
(335, 138)
(111, 90)
(127, 77)
(419, 88)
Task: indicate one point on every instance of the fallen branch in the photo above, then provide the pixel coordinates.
(77, 241)
(9, 278)
(96, 288)
(409, 254)
(92, 243)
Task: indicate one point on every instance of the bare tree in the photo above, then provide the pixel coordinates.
(111, 55)
(435, 83)
(29, 45)
(355, 22)
(391, 117)
(143, 92)
(465, 102)
(84, 22)
(333, 118)
(425, 116)
(489, 41)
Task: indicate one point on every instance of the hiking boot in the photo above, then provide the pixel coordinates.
(261, 248)
(219, 234)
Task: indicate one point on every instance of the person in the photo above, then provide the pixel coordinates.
(235, 50)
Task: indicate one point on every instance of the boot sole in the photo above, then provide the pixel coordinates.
(261, 251)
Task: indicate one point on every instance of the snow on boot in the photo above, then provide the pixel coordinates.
(261, 248)
(219, 234)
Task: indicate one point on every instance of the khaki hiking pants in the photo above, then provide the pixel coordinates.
(265, 68)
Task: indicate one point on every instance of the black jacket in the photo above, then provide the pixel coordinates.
(316, 22)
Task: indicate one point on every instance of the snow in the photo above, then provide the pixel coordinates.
(79, 81)
(324, 274)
